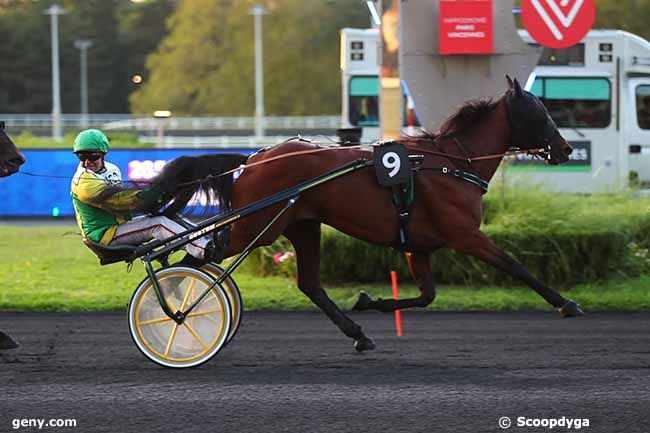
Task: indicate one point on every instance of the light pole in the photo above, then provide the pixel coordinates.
(257, 11)
(54, 11)
(82, 45)
(161, 117)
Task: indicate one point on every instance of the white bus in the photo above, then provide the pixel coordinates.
(598, 93)
(360, 56)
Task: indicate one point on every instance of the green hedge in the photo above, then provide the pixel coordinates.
(562, 239)
(119, 140)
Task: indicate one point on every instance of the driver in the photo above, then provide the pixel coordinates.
(103, 207)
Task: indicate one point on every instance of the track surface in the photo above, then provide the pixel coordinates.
(294, 372)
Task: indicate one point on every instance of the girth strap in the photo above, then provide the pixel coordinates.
(460, 174)
(403, 197)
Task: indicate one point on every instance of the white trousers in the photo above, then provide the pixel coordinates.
(144, 228)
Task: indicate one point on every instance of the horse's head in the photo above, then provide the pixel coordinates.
(532, 127)
(10, 157)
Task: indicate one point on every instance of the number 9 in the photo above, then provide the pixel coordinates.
(391, 160)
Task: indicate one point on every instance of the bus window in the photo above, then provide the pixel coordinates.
(364, 98)
(576, 102)
(643, 106)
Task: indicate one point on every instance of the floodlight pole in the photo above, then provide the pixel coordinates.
(83, 45)
(257, 11)
(54, 11)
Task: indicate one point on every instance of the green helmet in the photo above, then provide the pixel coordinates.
(91, 140)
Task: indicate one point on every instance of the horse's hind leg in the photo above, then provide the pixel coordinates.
(420, 266)
(305, 237)
(482, 247)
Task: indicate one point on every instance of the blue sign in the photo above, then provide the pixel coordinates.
(47, 194)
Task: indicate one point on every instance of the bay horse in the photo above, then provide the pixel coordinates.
(446, 212)
(10, 161)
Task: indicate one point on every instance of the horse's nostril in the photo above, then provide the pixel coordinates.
(17, 161)
(568, 151)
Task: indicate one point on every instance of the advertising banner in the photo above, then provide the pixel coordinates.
(48, 194)
(466, 27)
(558, 23)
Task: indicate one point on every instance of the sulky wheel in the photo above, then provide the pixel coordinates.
(234, 296)
(203, 332)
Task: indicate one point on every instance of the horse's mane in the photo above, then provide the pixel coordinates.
(467, 115)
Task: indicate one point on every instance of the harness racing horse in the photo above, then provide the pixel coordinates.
(10, 161)
(446, 213)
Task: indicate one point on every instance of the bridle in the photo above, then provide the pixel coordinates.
(519, 134)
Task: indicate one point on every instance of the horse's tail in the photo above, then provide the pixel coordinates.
(186, 176)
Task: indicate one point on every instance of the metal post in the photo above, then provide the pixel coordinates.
(54, 11)
(257, 11)
(83, 45)
(161, 117)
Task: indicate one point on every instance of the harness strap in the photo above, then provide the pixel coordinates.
(460, 174)
(403, 197)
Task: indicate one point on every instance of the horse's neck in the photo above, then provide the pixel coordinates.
(490, 137)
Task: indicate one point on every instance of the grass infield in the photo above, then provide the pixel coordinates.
(47, 268)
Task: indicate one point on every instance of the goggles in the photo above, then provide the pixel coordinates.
(89, 156)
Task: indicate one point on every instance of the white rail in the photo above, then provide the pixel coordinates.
(131, 122)
(226, 141)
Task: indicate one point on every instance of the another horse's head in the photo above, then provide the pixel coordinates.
(532, 126)
(10, 157)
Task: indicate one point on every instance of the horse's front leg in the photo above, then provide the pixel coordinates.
(482, 247)
(420, 266)
(305, 237)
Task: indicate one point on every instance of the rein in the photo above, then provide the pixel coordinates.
(469, 159)
(534, 152)
(284, 155)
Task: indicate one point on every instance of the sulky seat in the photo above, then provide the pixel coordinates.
(111, 254)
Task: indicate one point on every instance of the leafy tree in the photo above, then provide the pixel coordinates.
(122, 34)
(142, 26)
(24, 72)
(630, 15)
(206, 63)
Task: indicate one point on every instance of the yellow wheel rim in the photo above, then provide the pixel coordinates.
(201, 332)
(233, 297)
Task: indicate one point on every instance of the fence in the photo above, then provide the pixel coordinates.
(140, 123)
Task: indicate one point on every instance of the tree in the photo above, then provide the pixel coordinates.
(205, 65)
(630, 15)
(122, 34)
(24, 75)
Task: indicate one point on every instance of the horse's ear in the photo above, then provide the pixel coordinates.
(510, 83)
(518, 90)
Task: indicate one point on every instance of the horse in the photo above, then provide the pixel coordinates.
(10, 161)
(446, 213)
(10, 157)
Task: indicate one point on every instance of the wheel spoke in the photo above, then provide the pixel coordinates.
(187, 294)
(149, 322)
(203, 313)
(193, 332)
(171, 339)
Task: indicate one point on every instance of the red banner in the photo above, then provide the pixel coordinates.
(466, 27)
(558, 23)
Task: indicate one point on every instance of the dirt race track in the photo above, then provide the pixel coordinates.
(294, 372)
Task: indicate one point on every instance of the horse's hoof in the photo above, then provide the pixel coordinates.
(364, 343)
(6, 342)
(363, 302)
(571, 309)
